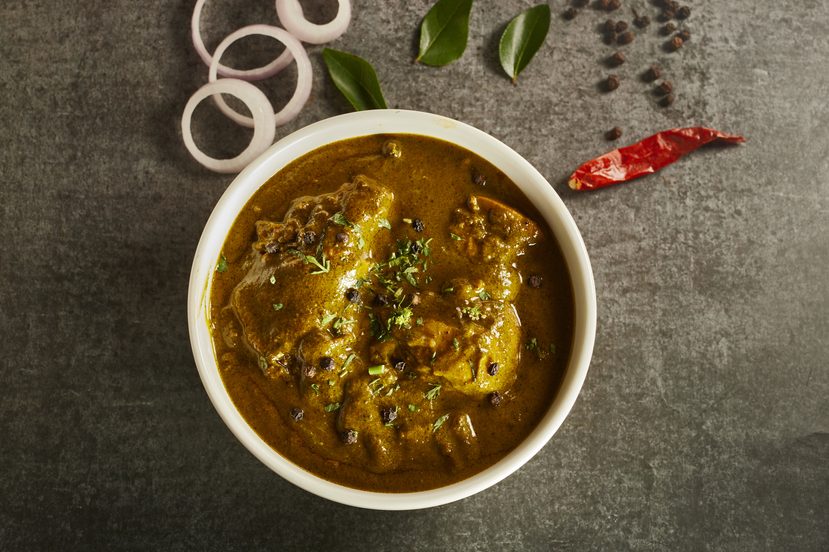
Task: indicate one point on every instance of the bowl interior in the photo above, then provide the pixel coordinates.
(529, 180)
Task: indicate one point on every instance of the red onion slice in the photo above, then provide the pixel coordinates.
(259, 73)
(303, 65)
(263, 130)
(292, 18)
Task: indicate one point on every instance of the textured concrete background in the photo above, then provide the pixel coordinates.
(703, 424)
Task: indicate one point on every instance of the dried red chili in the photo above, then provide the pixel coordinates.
(645, 157)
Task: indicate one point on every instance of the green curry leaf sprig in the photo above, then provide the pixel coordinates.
(522, 38)
(444, 32)
(355, 78)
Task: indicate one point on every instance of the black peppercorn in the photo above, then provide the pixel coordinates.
(492, 369)
(349, 436)
(610, 38)
(676, 43)
(388, 414)
(609, 26)
(667, 100)
(327, 363)
(665, 88)
(309, 237)
(535, 281)
(667, 15)
(625, 38)
(653, 73)
(668, 28)
(610, 84)
(621, 27)
(613, 5)
(400, 365)
(341, 237)
(418, 225)
(297, 414)
(352, 295)
(478, 179)
(580, 3)
(642, 21)
(685, 35)
(495, 398)
(616, 59)
(569, 13)
(683, 13)
(614, 133)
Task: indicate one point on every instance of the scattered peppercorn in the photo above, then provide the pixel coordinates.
(297, 414)
(642, 21)
(609, 26)
(478, 179)
(535, 281)
(327, 363)
(610, 38)
(569, 13)
(667, 100)
(621, 27)
(625, 38)
(349, 436)
(492, 369)
(614, 133)
(668, 28)
(352, 295)
(665, 88)
(495, 398)
(341, 237)
(667, 15)
(611, 83)
(418, 225)
(676, 43)
(309, 237)
(685, 35)
(400, 365)
(580, 3)
(653, 73)
(614, 5)
(617, 59)
(683, 13)
(388, 414)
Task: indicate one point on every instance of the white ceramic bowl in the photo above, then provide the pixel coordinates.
(534, 186)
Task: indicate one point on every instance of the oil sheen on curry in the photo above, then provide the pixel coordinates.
(391, 314)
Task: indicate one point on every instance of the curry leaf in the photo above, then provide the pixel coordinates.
(355, 78)
(444, 32)
(522, 38)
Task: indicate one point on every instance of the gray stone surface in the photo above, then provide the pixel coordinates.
(703, 424)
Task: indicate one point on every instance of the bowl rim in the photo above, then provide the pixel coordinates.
(393, 121)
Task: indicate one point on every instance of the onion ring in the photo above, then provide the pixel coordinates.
(260, 108)
(292, 18)
(259, 73)
(303, 80)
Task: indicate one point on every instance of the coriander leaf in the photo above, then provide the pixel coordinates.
(522, 38)
(439, 422)
(455, 237)
(332, 407)
(444, 32)
(433, 392)
(316, 388)
(413, 408)
(384, 223)
(278, 306)
(474, 312)
(221, 266)
(355, 78)
(483, 295)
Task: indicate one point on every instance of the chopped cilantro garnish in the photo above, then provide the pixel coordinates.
(439, 422)
(433, 392)
(455, 344)
(221, 266)
(325, 320)
(413, 407)
(384, 223)
(401, 317)
(331, 407)
(376, 370)
(419, 321)
(339, 218)
(323, 265)
(455, 237)
(473, 312)
(347, 363)
(316, 388)
(483, 295)
(277, 306)
(532, 345)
